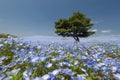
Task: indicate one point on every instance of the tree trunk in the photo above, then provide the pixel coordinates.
(76, 39)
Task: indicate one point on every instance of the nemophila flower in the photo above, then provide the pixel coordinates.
(54, 59)
(23, 58)
(5, 42)
(56, 72)
(25, 75)
(83, 57)
(1, 77)
(21, 52)
(84, 70)
(39, 47)
(77, 78)
(61, 57)
(37, 78)
(65, 63)
(81, 76)
(1, 62)
(96, 68)
(114, 68)
(10, 41)
(20, 44)
(11, 64)
(94, 55)
(108, 61)
(101, 64)
(118, 68)
(61, 63)
(53, 78)
(116, 76)
(76, 62)
(15, 71)
(106, 70)
(90, 63)
(118, 45)
(3, 69)
(26, 78)
(7, 78)
(48, 65)
(1, 45)
(29, 72)
(61, 52)
(34, 59)
(68, 71)
(68, 48)
(43, 58)
(46, 77)
(3, 58)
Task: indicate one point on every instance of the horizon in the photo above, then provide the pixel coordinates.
(32, 18)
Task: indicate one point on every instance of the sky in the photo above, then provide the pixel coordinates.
(37, 17)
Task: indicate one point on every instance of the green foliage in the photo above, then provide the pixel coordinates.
(64, 76)
(18, 76)
(78, 25)
(6, 51)
(3, 35)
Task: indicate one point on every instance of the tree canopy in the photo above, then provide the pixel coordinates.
(78, 25)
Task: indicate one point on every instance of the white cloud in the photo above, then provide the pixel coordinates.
(106, 31)
(97, 22)
(94, 30)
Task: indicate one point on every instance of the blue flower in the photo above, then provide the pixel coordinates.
(2, 58)
(1, 77)
(68, 71)
(90, 63)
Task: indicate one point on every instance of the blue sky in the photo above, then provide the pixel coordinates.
(37, 17)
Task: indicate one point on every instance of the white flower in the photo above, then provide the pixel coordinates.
(15, 71)
(76, 62)
(114, 68)
(39, 47)
(43, 58)
(1, 45)
(81, 77)
(46, 77)
(34, 59)
(56, 72)
(100, 64)
(116, 76)
(25, 74)
(37, 78)
(49, 65)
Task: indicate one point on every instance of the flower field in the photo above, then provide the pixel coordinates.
(26, 60)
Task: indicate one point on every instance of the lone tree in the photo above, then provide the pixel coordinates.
(78, 25)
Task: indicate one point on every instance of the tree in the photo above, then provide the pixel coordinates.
(3, 35)
(78, 25)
